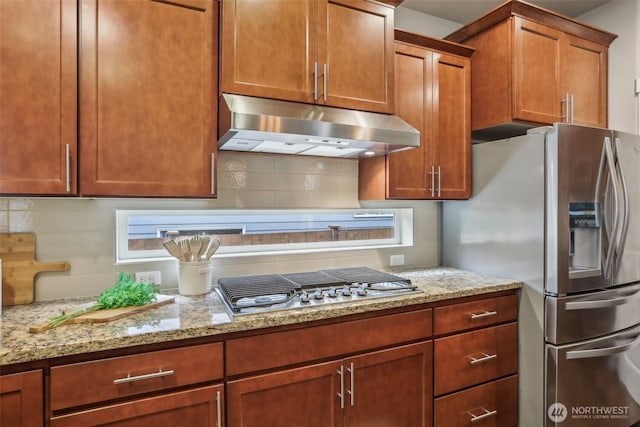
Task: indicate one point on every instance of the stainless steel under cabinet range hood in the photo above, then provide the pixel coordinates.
(272, 126)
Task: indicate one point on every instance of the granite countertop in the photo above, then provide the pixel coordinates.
(201, 316)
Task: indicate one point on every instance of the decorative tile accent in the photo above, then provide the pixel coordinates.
(20, 221)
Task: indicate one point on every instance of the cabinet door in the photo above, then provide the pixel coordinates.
(38, 75)
(584, 76)
(356, 46)
(148, 97)
(21, 401)
(451, 126)
(198, 407)
(408, 172)
(269, 48)
(390, 387)
(536, 92)
(305, 396)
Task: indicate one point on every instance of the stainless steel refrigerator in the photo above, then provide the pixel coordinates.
(559, 209)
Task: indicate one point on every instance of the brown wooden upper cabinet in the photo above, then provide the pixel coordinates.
(331, 52)
(533, 67)
(433, 89)
(38, 87)
(147, 86)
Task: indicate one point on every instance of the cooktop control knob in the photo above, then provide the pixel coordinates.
(318, 294)
(332, 292)
(346, 290)
(304, 296)
(362, 290)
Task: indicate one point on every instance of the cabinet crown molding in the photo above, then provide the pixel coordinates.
(536, 14)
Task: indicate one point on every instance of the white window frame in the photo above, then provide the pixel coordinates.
(403, 235)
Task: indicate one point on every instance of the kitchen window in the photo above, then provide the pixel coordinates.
(245, 232)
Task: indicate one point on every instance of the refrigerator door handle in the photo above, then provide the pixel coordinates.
(625, 211)
(607, 159)
(602, 352)
(603, 303)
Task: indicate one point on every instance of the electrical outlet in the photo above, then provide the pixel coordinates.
(148, 277)
(396, 260)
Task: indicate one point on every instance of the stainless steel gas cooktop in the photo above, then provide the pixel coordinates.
(256, 294)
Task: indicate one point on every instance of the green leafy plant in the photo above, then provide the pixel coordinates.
(125, 293)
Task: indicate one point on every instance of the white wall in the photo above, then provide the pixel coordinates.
(421, 23)
(81, 231)
(621, 17)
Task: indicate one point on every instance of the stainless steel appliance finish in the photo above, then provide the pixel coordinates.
(257, 294)
(598, 380)
(593, 314)
(273, 126)
(559, 209)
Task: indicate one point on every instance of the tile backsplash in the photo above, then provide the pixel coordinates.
(82, 231)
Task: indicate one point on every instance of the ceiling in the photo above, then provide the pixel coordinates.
(465, 11)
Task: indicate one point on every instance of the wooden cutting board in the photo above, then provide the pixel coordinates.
(102, 316)
(19, 267)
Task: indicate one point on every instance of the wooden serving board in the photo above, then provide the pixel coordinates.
(102, 316)
(19, 267)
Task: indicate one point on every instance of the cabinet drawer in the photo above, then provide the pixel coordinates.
(201, 407)
(100, 380)
(494, 403)
(277, 349)
(470, 315)
(474, 357)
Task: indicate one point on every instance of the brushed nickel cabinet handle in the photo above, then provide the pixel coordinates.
(341, 394)
(67, 157)
(439, 182)
(571, 109)
(352, 392)
(324, 76)
(315, 81)
(130, 379)
(213, 173)
(433, 181)
(482, 359)
(564, 118)
(218, 409)
(475, 418)
(475, 316)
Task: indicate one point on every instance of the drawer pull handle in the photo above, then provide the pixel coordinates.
(130, 379)
(481, 315)
(486, 414)
(484, 358)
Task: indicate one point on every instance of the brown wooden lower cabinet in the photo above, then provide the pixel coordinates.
(387, 388)
(382, 370)
(200, 407)
(21, 399)
(494, 404)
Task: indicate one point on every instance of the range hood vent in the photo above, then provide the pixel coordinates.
(272, 126)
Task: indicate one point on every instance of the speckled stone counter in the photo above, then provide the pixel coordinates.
(192, 317)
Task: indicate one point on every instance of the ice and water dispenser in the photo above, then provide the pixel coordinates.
(584, 240)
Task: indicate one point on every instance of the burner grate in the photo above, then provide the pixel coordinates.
(314, 280)
(363, 275)
(236, 288)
